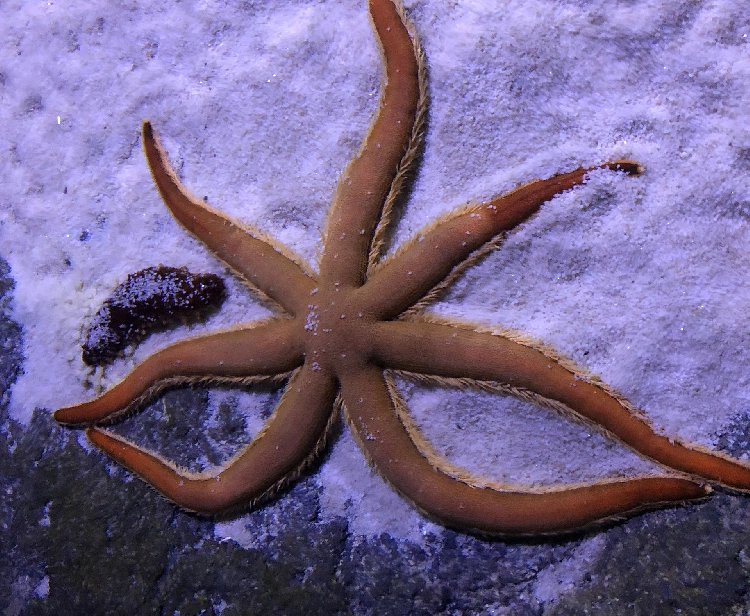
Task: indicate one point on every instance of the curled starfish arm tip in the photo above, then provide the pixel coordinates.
(453, 242)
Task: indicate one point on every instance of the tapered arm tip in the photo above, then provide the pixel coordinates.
(69, 416)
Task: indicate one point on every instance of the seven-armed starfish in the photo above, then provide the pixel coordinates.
(358, 318)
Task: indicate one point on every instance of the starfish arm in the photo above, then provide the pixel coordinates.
(452, 352)
(259, 262)
(366, 181)
(264, 350)
(290, 438)
(389, 446)
(430, 258)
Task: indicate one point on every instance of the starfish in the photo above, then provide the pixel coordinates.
(345, 331)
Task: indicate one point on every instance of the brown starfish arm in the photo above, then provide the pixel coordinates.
(264, 350)
(390, 448)
(452, 352)
(290, 438)
(366, 181)
(429, 258)
(260, 263)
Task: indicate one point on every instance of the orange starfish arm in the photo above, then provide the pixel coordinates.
(427, 260)
(265, 350)
(289, 439)
(260, 263)
(387, 443)
(366, 181)
(453, 352)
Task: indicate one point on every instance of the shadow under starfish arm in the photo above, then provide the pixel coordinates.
(266, 350)
(259, 262)
(370, 410)
(289, 439)
(426, 261)
(453, 352)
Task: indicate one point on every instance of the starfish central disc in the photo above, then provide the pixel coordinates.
(337, 331)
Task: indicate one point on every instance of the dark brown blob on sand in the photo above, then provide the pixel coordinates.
(151, 300)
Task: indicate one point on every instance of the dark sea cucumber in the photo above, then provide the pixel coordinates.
(151, 300)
